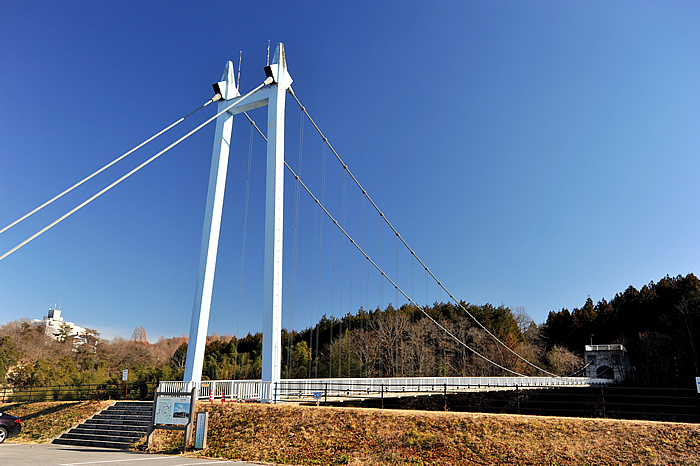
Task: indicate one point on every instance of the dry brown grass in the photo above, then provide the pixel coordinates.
(310, 435)
(43, 421)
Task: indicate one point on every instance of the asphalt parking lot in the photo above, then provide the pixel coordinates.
(64, 455)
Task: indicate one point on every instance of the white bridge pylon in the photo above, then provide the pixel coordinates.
(274, 97)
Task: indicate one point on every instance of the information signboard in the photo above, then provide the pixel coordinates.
(172, 410)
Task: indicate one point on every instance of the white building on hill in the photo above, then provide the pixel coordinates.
(53, 322)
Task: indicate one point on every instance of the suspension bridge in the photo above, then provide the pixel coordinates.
(272, 93)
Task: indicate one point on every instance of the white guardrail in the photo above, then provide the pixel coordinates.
(255, 390)
(235, 390)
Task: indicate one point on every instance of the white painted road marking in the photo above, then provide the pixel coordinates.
(117, 461)
(149, 459)
(62, 455)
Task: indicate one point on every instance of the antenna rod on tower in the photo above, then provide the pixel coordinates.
(268, 54)
(238, 80)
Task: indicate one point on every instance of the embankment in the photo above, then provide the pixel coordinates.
(328, 435)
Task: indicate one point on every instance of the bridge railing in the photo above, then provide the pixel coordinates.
(234, 390)
(296, 389)
(299, 388)
(34, 393)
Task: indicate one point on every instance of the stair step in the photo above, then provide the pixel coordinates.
(102, 423)
(107, 438)
(111, 427)
(111, 433)
(119, 426)
(125, 417)
(111, 424)
(131, 406)
(108, 417)
(134, 404)
(93, 443)
(128, 410)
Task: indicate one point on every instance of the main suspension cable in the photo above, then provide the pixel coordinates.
(50, 201)
(386, 220)
(357, 246)
(100, 193)
(361, 250)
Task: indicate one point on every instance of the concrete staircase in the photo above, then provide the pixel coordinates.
(118, 426)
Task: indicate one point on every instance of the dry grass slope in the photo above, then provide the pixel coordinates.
(310, 435)
(42, 422)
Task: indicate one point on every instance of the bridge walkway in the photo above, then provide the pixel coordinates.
(339, 389)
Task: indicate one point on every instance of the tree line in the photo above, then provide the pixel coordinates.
(658, 324)
(379, 343)
(31, 357)
(401, 342)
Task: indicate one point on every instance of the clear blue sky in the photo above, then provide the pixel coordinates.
(532, 153)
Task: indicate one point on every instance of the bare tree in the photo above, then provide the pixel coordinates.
(522, 318)
(365, 344)
(179, 356)
(139, 335)
(563, 362)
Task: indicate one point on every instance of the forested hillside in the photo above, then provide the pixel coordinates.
(390, 343)
(659, 325)
(29, 357)
(374, 343)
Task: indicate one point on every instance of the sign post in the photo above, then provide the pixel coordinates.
(200, 434)
(125, 379)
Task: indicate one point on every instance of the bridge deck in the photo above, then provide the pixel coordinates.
(303, 390)
(342, 397)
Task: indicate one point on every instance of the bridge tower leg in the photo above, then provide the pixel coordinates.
(210, 234)
(274, 210)
(274, 98)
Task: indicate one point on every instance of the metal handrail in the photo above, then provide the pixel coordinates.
(136, 391)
